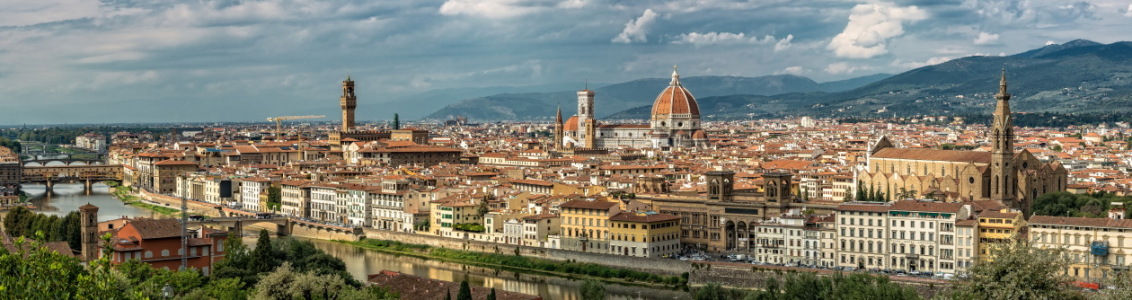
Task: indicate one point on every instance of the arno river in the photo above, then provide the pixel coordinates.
(360, 261)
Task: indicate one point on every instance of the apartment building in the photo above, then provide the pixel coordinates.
(585, 225)
(1096, 247)
(644, 234)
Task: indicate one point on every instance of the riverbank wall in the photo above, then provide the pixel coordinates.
(669, 267)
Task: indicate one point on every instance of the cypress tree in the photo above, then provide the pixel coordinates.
(491, 296)
(396, 121)
(465, 292)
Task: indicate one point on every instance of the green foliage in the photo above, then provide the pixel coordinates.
(470, 227)
(23, 222)
(808, 286)
(491, 296)
(15, 146)
(592, 290)
(1018, 272)
(1076, 205)
(264, 256)
(286, 282)
(465, 292)
(711, 291)
(275, 198)
(957, 147)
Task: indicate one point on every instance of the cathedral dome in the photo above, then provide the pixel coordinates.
(571, 124)
(675, 99)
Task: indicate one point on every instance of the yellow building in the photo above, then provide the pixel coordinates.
(1096, 247)
(997, 227)
(585, 225)
(447, 213)
(644, 234)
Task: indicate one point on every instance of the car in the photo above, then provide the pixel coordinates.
(901, 273)
(914, 273)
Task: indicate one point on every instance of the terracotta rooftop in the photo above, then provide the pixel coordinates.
(583, 204)
(934, 155)
(156, 228)
(627, 216)
(1083, 222)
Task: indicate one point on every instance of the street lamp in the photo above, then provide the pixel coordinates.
(167, 291)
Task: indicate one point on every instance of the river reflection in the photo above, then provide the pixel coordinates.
(360, 262)
(67, 197)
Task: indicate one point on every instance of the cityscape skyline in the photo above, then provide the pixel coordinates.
(173, 61)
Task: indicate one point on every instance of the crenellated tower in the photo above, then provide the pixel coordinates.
(586, 123)
(349, 102)
(1002, 150)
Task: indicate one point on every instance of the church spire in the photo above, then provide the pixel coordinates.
(1004, 180)
(1002, 94)
(558, 119)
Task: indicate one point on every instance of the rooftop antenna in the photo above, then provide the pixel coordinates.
(587, 83)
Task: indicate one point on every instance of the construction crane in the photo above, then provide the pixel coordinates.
(279, 122)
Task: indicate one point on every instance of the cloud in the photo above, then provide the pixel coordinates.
(783, 44)
(726, 38)
(930, 62)
(792, 70)
(1128, 11)
(636, 30)
(986, 38)
(840, 68)
(500, 9)
(871, 26)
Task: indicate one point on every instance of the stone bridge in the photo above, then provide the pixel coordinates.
(65, 159)
(236, 223)
(88, 174)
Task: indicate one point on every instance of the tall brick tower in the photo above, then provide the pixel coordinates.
(349, 102)
(88, 219)
(1002, 150)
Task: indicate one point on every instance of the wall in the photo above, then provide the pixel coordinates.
(660, 266)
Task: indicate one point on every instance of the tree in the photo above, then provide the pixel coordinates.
(592, 290)
(465, 292)
(263, 257)
(1018, 272)
(711, 291)
(396, 121)
(274, 198)
(491, 296)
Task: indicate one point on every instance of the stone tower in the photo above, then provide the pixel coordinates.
(721, 185)
(586, 123)
(88, 215)
(349, 102)
(558, 131)
(1002, 149)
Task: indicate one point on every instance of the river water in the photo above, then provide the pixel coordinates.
(360, 261)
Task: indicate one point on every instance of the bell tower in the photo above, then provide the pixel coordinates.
(586, 122)
(88, 219)
(1002, 150)
(349, 102)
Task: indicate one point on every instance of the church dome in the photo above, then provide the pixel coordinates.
(571, 124)
(699, 135)
(675, 99)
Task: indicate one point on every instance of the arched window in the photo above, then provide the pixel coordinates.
(148, 254)
(165, 253)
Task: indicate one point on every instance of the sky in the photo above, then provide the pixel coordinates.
(123, 61)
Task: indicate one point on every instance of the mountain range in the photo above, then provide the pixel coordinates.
(621, 96)
(1077, 77)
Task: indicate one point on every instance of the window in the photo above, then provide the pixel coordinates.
(165, 253)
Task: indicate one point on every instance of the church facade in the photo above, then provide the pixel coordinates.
(1013, 178)
(674, 123)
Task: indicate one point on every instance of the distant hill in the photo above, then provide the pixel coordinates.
(1076, 77)
(622, 96)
